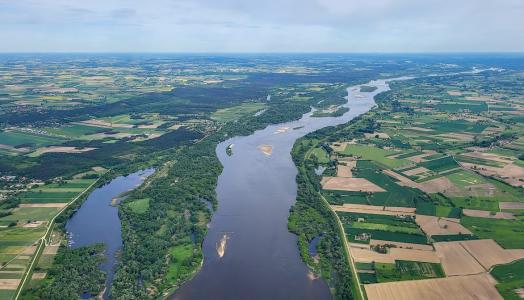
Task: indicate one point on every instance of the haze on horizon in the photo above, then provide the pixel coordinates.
(261, 26)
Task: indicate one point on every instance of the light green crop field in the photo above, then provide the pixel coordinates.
(236, 112)
(375, 154)
(386, 227)
(321, 155)
(16, 138)
(508, 233)
(180, 257)
(407, 270)
(31, 214)
(18, 236)
(7, 294)
(465, 178)
(74, 131)
(139, 206)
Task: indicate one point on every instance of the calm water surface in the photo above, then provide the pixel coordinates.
(255, 192)
(97, 221)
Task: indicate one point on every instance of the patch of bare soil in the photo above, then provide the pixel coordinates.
(488, 214)
(488, 253)
(50, 205)
(473, 287)
(432, 225)
(455, 136)
(350, 184)
(374, 210)
(440, 185)
(510, 173)
(9, 284)
(456, 260)
(511, 205)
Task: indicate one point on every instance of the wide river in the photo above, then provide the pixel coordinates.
(248, 251)
(97, 220)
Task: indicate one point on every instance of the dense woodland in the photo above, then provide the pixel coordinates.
(75, 274)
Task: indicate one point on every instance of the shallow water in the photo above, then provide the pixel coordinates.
(255, 192)
(97, 221)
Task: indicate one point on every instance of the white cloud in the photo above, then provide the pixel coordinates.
(262, 26)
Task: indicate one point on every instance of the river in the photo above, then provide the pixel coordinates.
(248, 251)
(97, 220)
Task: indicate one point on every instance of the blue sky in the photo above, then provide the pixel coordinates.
(261, 25)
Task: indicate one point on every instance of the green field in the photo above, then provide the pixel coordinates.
(7, 294)
(381, 227)
(509, 277)
(376, 154)
(31, 214)
(440, 164)
(464, 178)
(479, 161)
(508, 233)
(74, 131)
(139, 206)
(236, 112)
(471, 106)
(395, 195)
(453, 237)
(407, 270)
(180, 265)
(18, 139)
(367, 278)
(321, 155)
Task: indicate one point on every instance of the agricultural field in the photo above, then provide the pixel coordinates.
(450, 154)
(22, 226)
(233, 113)
(510, 279)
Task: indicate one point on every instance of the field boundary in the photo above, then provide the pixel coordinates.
(43, 240)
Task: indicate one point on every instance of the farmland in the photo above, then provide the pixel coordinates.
(510, 278)
(447, 157)
(425, 173)
(33, 219)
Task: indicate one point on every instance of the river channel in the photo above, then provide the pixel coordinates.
(248, 251)
(97, 220)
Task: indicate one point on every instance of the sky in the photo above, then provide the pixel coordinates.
(261, 25)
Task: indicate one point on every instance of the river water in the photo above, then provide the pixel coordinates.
(257, 257)
(97, 220)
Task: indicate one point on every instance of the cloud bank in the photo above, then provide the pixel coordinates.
(261, 26)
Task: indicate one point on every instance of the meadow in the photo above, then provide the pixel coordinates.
(510, 277)
(233, 113)
(407, 270)
(508, 233)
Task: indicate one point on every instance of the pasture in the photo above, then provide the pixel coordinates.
(375, 154)
(407, 270)
(320, 155)
(23, 139)
(440, 164)
(234, 113)
(508, 233)
(510, 277)
(394, 195)
(138, 206)
(362, 227)
(180, 262)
